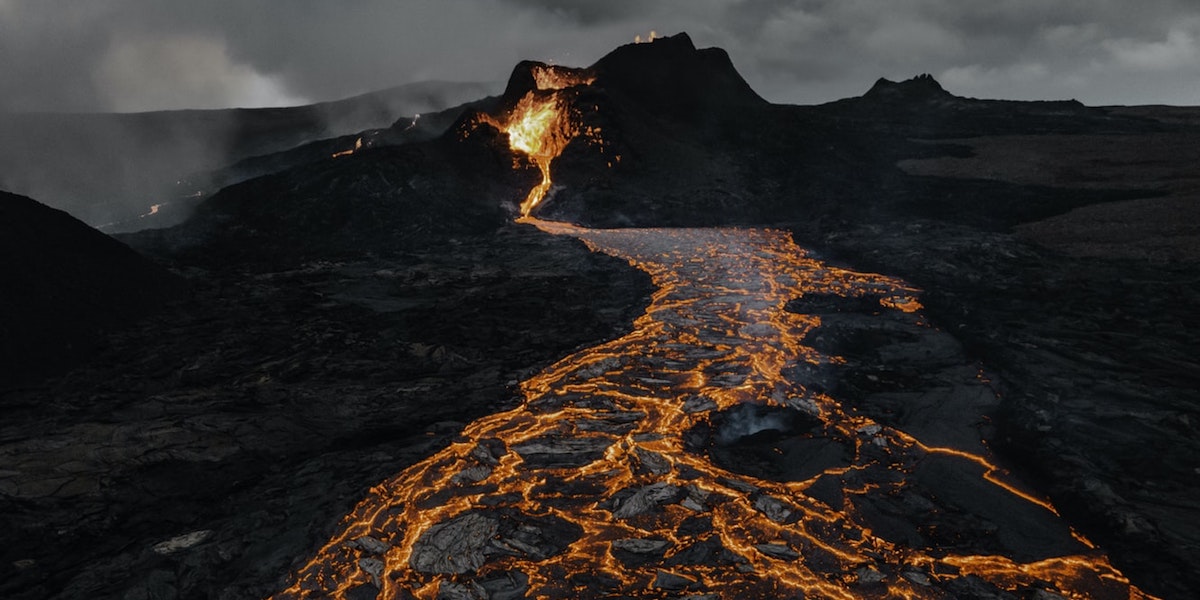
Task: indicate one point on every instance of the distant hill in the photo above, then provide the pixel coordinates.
(103, 167)
(62, 285)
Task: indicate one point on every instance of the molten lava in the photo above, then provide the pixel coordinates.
(358, 144)
(594, 486)
(541, 124)
(154, 208)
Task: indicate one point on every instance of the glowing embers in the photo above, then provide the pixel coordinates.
(637, 39)
(154, 208)
(599, 486)
(358, 144)
(550, 77)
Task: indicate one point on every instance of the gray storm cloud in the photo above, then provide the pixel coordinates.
(158, 54)
(149, 73)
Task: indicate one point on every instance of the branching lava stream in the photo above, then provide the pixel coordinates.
(599, 486)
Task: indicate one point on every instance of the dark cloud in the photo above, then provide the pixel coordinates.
(147, 54)
(585, 12)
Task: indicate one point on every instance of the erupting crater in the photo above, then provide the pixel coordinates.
(542, 123)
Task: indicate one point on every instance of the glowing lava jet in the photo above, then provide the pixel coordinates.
(542, 124)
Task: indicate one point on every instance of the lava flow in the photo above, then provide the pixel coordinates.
(603, 482)
(541, 125)
(358, 144)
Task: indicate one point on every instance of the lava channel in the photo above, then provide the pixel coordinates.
(602, 485)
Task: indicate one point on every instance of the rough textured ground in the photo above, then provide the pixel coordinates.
(1162, 228)
(251, 416)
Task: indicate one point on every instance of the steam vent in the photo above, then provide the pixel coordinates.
(700, 455)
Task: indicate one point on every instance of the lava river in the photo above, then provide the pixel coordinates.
(603, 482)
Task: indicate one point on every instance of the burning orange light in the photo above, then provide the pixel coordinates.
(548, 77)
(637, 39)
(541, 125)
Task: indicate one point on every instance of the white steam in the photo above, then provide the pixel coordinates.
(749, 419)
(183, 71)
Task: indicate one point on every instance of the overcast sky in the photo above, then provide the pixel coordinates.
(130, 55)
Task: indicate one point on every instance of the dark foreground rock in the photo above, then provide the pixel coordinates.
(205, 452)
(1095, 361)
(62, 286)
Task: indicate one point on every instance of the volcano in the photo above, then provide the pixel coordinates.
(628, 330)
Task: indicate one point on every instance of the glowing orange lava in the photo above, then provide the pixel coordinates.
(358, 144)
(540, 126)
(590, 489)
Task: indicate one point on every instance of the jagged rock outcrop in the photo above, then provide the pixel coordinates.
(920, 88)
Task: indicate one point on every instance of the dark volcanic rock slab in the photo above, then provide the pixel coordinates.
(454, 546)
(562, 452)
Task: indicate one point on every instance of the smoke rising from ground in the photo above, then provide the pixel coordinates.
(112, 168)
(748, 419)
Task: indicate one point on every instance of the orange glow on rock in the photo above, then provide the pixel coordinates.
(556, 496)
(541, 124)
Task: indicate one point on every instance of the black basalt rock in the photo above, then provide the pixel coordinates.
(670, 75)
(63, 286)
(922, 87)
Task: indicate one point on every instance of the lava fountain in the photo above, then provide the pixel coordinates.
(542, 124)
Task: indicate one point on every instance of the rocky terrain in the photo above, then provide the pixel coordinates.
(244, 420)
(109, 169)
(347, 316)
